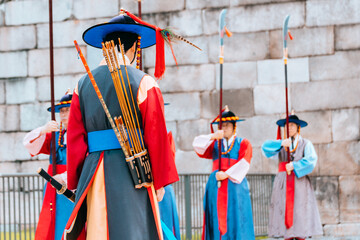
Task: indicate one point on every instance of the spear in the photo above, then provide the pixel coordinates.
(140, 51)
(290, 178)
(222, 31)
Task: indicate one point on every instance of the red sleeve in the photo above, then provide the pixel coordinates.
(245, 150)
(156, 139)
(209, 151)
(76, 143)
(45, 148)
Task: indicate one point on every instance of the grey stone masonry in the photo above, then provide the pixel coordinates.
(11, 147)
(261, 17)
(2, 117)
(240, 101)
(272, 71)
(188, 78)
(248, 2)
(237, 75)
(341, 65)
(188, 132)
(33, 116)
(13, 64)
(2, 92)
(317, 96)
(269, 99)
(29, 12)
(318, 129)
(12, 118)
(339, 158)
(8, 34)
(327, 194)
(306, 42)
(87, 9)
(240, 47)
(345, 36)
(347, 231)
(323, 12)
(21, 90)
(182, 21)
(349, 199)
(190, 4)
(184, 106)
(346, 124)
(65, 62)
(188, 162)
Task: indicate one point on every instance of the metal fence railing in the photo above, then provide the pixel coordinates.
(21, 198)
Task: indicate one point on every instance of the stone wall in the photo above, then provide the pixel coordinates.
(323, 73)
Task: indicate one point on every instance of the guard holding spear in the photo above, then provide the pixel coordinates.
(293, 209)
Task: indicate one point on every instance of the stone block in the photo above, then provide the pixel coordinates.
(188, 23)
(258, 129)
(12, 147)
(327, 67)
(184, 106)
(262, 18)
(345, 124)
(253, 2)
(345, 35)
(2, 16)
(240, 47)
(2, 117)
(327, 195)
(12, 118)
(210, 19)
(270, 99)
(33, 116)
(325, 95)
(86, 9)
(272, 71)
(206, 4)
(62, 83)
(343, 230)
(184, 53)
(237, 75)
(2, 92)
(350, 199)
(319, 126)
(20, 90)
(339, 158)
(65, 62)
(157, 6)
(9, 168)
(306, 42)
(188, 78)
(29, 12)
(10, 38)
(64, 33)
(190, 130)
(13, 64)
(322, 13)
(190, 163)
(32, 166)
(239, 101)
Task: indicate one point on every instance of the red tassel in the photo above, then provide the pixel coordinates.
(160, 52)
(291, 37)
(278, 137)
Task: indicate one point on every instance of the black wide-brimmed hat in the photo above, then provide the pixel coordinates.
(228, 116)
(293, 119)
(65, 101)
(96, 34)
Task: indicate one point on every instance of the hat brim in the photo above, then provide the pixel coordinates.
(95, 35)
(239, 120)
(299, 122)
(58, 107)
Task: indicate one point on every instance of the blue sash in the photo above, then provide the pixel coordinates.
(102, 140)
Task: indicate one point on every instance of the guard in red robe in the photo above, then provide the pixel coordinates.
(107, 204)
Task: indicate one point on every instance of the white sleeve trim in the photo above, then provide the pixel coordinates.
(238, 171)
(34, 146)
(201, 143)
